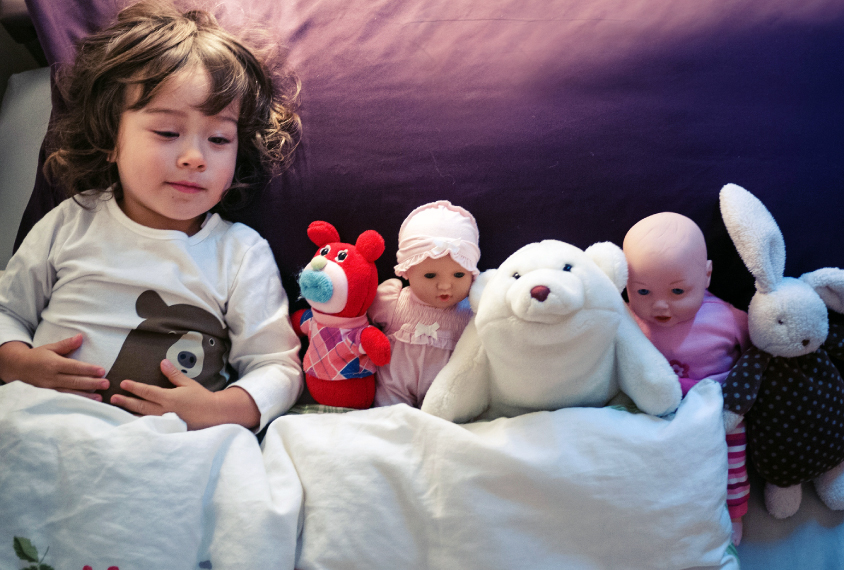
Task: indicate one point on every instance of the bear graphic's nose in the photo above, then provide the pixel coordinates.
(805, 342)
(540, 293)
(187, 359)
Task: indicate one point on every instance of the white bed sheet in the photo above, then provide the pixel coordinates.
(384, 488)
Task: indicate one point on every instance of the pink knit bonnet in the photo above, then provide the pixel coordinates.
(435, 230)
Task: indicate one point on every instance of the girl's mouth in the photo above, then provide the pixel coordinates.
(186, 187)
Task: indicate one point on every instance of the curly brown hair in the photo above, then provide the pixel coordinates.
(149, 42)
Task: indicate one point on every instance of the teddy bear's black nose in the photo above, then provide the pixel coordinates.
(805, 342)
(540, 292)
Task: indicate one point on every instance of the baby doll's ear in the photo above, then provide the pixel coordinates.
(478, 286)
(322, 233)
(610, 259)
(370, 245)
(828, 283)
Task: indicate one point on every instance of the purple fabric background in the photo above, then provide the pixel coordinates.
(556, 119)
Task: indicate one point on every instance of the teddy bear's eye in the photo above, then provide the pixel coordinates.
(516, 275)
(325, 250)
(211, 341)
(567, 267)
(342, 255)
(779, 321)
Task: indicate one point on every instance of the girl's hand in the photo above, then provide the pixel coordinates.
(197, 406)
(47, 366)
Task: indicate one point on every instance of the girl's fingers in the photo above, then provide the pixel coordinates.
(136, 406)
(66, 345)
(77, 368)
(174, 374)
(89, 395)
(147, 392)
(70, 383)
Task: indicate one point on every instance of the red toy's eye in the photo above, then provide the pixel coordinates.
(325, 250)
(342, 255)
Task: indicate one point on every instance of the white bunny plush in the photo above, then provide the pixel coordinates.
(785, 386)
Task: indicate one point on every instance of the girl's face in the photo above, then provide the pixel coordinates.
(440, 282)
(174, 161)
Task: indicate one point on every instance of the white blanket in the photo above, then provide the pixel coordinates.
(384, 488)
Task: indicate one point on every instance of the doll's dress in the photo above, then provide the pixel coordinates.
(422, 339)
(708, 346)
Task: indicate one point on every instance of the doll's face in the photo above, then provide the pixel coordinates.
(668, 272)
(440, 282)
(666, 292)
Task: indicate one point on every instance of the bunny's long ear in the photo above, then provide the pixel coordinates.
(828, 283)
(755, 234)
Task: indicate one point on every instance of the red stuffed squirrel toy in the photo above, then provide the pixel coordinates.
(339, 284)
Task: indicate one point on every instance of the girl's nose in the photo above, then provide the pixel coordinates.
(192, 157)
(660, 305)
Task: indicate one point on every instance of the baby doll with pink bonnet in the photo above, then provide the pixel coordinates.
(438, 255)
(700, 335)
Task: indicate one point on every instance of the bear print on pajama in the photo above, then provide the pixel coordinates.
(189, 337)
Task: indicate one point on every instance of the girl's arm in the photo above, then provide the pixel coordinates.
(264, 347)
(25, 289)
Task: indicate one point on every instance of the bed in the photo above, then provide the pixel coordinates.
(556, 119)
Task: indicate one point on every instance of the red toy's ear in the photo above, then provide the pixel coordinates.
(370, 245)
(322, 233)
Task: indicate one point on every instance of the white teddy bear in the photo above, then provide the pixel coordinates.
(551, 331)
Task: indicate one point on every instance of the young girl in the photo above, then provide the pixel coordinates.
(438, 255)
(168, 116)
(700, 335)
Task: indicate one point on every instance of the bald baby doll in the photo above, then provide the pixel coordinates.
(700, 335)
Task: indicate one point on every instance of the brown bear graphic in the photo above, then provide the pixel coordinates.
(189, 337)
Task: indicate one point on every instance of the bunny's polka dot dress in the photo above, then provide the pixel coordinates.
(794, 411)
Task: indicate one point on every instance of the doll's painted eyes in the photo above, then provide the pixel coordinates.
(342, 255)
(460, 275)
(567, 267)
(643, 292)
(430, 275)
(678, 291)
(325, 250)
(516, 275)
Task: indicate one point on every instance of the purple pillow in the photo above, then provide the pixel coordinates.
(556, 119)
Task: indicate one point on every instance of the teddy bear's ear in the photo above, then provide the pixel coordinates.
(370, 245)
(478, 286)
(322, 233)
(828, 283)
(610, 259)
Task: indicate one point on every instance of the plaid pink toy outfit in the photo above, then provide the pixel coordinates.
(707, 347)
(334, 352)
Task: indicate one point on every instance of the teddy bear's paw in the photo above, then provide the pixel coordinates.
(657, 398)
(830, 487)
(782, 502)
